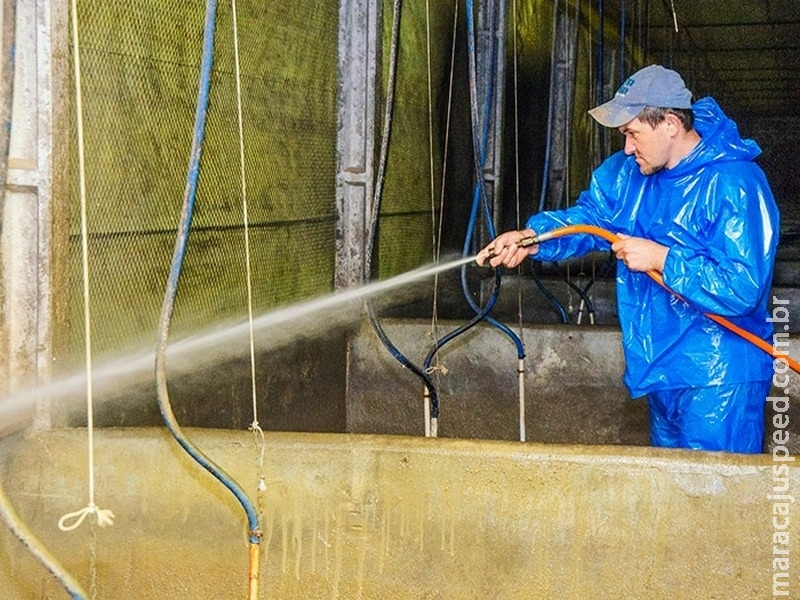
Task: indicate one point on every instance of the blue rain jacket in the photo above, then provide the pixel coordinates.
(716, 213)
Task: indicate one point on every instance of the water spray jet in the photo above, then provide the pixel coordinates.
(208, 348)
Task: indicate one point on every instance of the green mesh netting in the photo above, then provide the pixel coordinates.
(140, 65)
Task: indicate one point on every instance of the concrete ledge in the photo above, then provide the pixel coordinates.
(349, 516)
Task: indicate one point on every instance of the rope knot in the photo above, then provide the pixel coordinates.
(441, 368)
(104, 517)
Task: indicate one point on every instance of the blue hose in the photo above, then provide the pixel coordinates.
(562, 312)
(175, 273)
(584, 294)
(480, 197)
(34, 545)
(550, 109)
(481, 315)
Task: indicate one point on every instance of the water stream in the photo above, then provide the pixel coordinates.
(209, 348)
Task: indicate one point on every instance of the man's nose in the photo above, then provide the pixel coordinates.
(629, 147)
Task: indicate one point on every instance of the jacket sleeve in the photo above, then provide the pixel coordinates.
(725, 265)
(593, 206)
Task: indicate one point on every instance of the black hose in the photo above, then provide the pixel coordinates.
(480, 143)
(584, 294)
(480, 316)
(555, 302)
(372, 232)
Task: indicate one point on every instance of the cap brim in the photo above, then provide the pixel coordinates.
(614, 114)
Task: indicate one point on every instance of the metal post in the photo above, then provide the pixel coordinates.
(486, 31)
(359, 62)
(563, 63)
(35, 178)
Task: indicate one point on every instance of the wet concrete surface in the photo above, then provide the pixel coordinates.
(362, 516)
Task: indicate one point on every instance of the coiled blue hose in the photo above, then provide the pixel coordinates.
(175, 273)
(480, 197)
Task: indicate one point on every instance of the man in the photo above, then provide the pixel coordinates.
(689, 203)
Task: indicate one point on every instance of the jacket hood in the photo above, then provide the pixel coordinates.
(720, 139)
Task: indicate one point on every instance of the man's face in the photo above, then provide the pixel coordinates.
(650, 147)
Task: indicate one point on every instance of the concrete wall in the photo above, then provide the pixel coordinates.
(572, 385)
(300, 386)
(349, 516)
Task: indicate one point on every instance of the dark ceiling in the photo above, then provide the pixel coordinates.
(744, 53)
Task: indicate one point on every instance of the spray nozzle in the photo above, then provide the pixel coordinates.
(522, 243)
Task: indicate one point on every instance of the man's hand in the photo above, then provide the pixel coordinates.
(505, 249)
(640, 254)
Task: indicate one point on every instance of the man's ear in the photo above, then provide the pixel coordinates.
(673, 123)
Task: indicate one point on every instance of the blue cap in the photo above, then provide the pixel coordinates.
(653, 86)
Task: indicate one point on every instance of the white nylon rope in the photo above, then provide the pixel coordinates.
(436, 230)
(521, 365)
(254, 426)
(430, 427)
(105, 517)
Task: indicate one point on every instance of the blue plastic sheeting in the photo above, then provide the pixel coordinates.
(716, 213)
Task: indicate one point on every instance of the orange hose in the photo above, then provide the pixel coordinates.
(656, 276)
